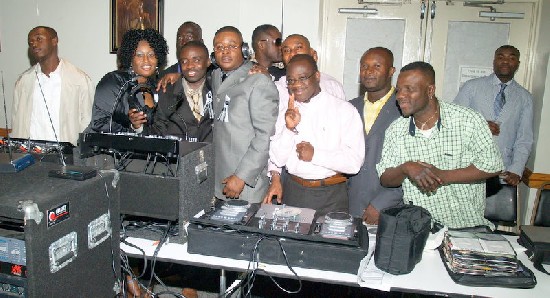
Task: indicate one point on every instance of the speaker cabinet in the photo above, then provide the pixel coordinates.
(61, 236)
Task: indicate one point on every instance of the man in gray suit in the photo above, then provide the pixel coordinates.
(245, 109)
(508, 109)
(378, 109)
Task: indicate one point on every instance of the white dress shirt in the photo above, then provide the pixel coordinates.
(334, 129)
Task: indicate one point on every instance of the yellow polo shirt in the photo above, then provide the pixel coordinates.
(371, 110)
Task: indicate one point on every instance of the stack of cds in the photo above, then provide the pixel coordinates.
(479, 254)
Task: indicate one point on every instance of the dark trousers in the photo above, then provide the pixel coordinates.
(324, 199)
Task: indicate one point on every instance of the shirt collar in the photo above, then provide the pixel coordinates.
(412, 126)
(57, 70)
(381, 101)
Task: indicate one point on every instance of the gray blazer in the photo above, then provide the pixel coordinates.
(364, 188)
(242, 129)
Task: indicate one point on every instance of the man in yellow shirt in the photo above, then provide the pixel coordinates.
(378, 109)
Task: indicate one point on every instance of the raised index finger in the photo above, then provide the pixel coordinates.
(291, 101)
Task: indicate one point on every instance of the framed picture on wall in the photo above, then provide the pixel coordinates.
(134, 14)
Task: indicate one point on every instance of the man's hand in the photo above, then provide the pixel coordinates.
(275, 189)
(305, 151)
(257, 68)
(292, 115)
(233, 186)
(371, 215)
(511, 178)
(169, 78)
(494, 127)
(425, 176)
(137, 118)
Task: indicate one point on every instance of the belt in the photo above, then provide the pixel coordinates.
(332, 180)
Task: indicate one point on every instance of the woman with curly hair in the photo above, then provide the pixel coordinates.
(132, 87)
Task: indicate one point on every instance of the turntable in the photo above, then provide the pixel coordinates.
(237, 229)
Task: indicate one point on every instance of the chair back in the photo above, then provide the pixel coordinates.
(541, 207)
(501, 206)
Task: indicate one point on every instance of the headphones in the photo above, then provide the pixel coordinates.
(134, 103)
(245, 50)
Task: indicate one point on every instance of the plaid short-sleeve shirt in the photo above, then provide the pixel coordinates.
(460, 139)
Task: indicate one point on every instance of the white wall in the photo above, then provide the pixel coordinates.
(84, 30)
(539, 160)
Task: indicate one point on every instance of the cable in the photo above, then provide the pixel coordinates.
(113, 265)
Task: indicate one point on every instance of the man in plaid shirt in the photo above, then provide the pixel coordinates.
(441, 153)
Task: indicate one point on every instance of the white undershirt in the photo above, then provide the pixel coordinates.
(41, 127)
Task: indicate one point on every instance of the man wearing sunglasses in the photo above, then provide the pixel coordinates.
(266, 42)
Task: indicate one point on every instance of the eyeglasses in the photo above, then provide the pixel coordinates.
(278, 41)
(301, 80)
(149, 55)
(220, 48)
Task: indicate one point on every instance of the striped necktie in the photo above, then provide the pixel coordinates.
(500, 100)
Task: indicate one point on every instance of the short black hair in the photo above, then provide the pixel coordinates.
(194, 43)
(50, 30)
(306, 58)
(383, 49)
(192, 24)
(300, 36)
(508, 47)
(424, 67)
(229, 29)
(131, 40)
(258, 31)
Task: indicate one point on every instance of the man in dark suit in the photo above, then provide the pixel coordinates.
(245, 109)
(378, 109)
(185, 109)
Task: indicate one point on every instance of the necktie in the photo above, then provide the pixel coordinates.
(195, 97)
(224, 76)
(500, 100)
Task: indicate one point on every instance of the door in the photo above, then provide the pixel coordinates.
(450, 35)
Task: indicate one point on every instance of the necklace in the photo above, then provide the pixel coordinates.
(424, 123)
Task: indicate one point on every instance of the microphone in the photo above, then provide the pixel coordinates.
(66, 172)
(117, 100)
(20, 162)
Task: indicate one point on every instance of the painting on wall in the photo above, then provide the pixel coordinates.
(134, 14)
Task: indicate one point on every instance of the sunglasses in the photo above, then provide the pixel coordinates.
(278, 42)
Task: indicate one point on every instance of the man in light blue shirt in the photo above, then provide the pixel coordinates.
(511, 120)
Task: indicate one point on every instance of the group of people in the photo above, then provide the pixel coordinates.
(289, 134)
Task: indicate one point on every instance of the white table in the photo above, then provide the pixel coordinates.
(428, 277)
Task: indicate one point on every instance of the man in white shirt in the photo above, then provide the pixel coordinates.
(293, 45)
(316, 147)
(52, 99)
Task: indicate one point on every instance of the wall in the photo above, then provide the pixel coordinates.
(539, 160)
(84, 30)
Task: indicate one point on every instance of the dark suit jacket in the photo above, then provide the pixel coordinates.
(364, 188)
(173, 116)
(241, 141)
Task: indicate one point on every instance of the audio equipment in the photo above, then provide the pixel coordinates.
(58, 237)
(95, 143)
(174, 187)
(279, 234)
(41, 150)
(12, 163)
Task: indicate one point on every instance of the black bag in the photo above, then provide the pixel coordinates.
(537, 241)
(401, 237)
(524, 278)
